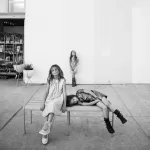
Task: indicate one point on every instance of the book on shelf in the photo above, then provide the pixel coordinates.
(18, 49)
(1, 48)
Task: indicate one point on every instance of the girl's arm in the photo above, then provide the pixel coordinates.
(64, 96)
(70, 64)
(89, 104)
(44, 98)
(89, 91)
(46, 93)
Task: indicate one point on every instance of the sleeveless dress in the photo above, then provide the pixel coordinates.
(54, 99)
(73, 64)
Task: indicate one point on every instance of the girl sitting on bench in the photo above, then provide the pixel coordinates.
(54, 98)
(90, 98)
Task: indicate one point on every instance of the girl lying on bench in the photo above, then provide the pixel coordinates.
(90, 98)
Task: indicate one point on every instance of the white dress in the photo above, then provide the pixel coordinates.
(54, 99)
(73, 64)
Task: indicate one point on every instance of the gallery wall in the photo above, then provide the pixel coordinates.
(105, 35)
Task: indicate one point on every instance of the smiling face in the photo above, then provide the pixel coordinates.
(74, 100)
(55, 71)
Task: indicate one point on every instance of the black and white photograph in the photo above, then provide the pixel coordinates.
(74, 74)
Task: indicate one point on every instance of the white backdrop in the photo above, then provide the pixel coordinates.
(105, 35)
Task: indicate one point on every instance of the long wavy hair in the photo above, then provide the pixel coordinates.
(69, 98)
(51, 77)
(76, 58)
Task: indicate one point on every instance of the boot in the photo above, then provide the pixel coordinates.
(120, 116)
(73, 82)
(108, 126)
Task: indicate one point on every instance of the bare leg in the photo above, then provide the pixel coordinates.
(73, 79)
(49, 119)
(114, 110)
(104, 109)
(73, 74)
(108, 104)
(106, 116)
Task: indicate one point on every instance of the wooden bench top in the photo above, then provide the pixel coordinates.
(35, 102)
(35, 105)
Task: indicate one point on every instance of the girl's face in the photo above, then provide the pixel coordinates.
(73, 53)
(55, 71)
(74, 100)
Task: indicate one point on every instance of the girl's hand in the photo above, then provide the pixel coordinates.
(80, 103)
(97, 100)
(42, 107)
(64, 109)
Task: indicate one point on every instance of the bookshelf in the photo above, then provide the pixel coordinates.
(11, 52)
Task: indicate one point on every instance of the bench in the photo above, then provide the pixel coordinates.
(35, 103)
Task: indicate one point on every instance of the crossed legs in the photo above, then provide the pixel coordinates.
(47, 127)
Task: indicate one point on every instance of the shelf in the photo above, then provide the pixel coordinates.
(8, 73)
(11, 51)
(9, 43)
(12, 43)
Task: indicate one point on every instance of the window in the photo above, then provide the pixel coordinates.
(16, 6)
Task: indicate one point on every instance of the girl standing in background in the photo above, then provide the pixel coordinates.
(73, 61)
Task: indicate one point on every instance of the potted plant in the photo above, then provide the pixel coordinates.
(28, 72)
(28, 67)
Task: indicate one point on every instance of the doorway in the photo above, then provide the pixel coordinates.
(11, 46)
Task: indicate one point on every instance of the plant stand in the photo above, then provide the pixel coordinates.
(19, 70)
(27, 74)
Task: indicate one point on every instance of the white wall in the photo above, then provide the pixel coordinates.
(80, 37)
(45, 38)
(113, 41)
(50, 35)
(104, 34)
(141, 41)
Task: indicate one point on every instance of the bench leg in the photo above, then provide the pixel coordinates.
(24, 120)
(112, 119)
(68, 121)
(31, 116)
(68, 117)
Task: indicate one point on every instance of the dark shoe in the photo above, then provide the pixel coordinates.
(120, 116)
(108, 126)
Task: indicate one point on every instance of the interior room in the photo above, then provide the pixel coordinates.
(11, 45)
